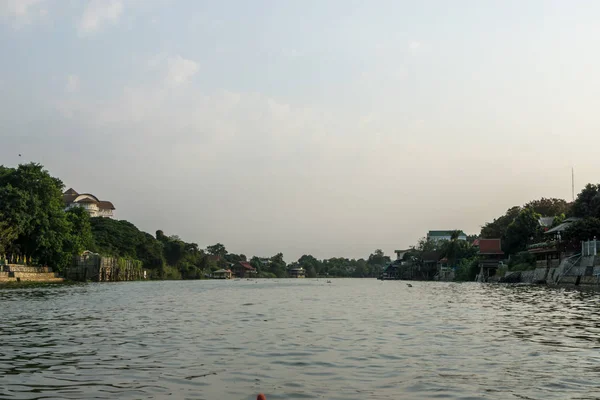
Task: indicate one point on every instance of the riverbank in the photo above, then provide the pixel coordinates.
(579, 271)
(34, 284)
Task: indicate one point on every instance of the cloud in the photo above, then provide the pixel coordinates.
(414, 45)
(180, 70)
(72, 83)
(291, 53)
(23, 11)
(99, 12)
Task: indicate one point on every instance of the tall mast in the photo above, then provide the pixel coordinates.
(573, 183)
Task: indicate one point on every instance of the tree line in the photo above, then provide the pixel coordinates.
(519, 227)
(35, 224)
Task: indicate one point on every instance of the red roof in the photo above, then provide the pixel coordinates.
(490, 246)
(246, 265)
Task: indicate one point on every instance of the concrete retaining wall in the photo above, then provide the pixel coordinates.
(539, 275)
(25, 268)
(103, 269)
(13, 273)
(586, 272)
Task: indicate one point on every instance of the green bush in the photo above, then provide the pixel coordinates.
(467, 270)
(171, 273)
(502, 271)
(522, 267)
(520, 259)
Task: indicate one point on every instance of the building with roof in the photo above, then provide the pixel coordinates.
(400, 254)
(94, 206)
(243, 269)
(560, 228)
(490, 254)
(430, 262)
(546, 222)
(297, 271)
(222, 274)
(444, 235)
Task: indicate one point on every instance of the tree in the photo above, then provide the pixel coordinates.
(33, 215)
(472, 238)
(116, 238)
(548, 207)
(425, 245)
(522, 261)
(455, 249)
(587, 204)
(277, 266)
(123, 239)
(524, 228)
(467, 269)
(498, 227)
(217, 250)
(8, 234)
(582, 230)
(378, 258)
(256, 263)
(559, 219)
(311, 265)
(80, 237)
(361, 269)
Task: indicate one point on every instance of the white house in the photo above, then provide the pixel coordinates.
(400, 254)
(444, 235)
(95, 207)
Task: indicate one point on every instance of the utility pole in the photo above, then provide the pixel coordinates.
(573, 183)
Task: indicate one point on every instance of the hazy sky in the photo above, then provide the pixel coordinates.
(329, 127)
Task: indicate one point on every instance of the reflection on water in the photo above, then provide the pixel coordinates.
(299, 339)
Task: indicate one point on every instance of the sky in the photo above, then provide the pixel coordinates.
(323, 127)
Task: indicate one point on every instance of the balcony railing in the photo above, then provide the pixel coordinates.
(590, 248)
(543, 245)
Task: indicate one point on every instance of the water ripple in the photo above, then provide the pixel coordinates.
(299, 339)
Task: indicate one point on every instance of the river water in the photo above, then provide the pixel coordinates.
(299, 339)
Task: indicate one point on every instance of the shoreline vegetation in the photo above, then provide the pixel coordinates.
(530, 235)
(35, 227)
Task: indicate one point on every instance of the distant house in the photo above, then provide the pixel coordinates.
(490, 254)
(243, 269)
(546, 222)
(391, 271)
(444, 235)
(562, 227)
(445, 271)
(400, 254)
(222, 274)
(553, 249)
(89, 202)
(297, 272)
(430, 263)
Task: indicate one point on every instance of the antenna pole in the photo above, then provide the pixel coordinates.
(573, 183)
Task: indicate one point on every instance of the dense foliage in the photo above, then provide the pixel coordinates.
(584, 229)
(520, 225)
(587, 204)
(33, 222)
